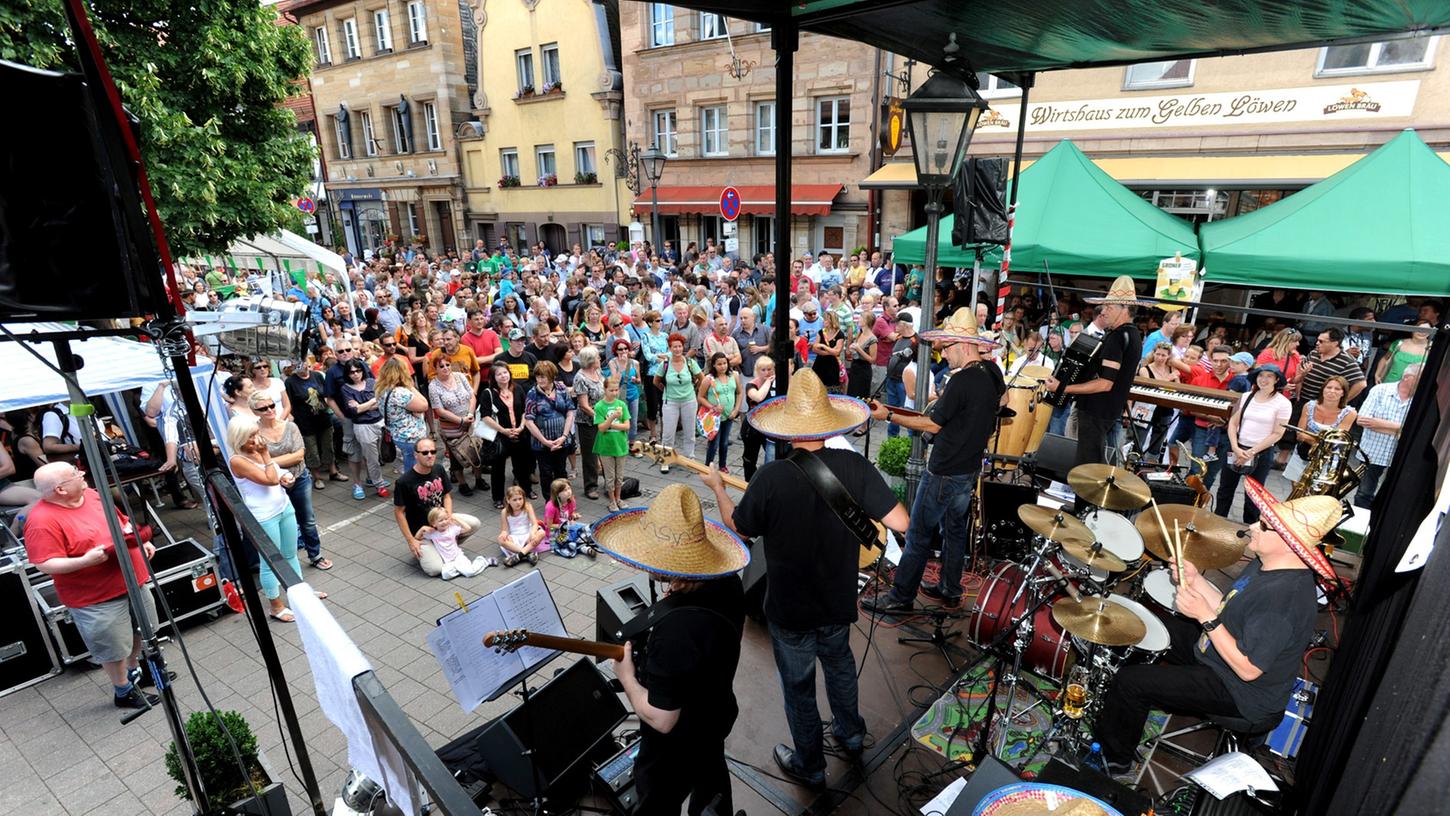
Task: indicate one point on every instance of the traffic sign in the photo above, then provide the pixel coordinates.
(730, 203)
(307, 205)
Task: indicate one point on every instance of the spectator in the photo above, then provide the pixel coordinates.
(403, 409)
(358, 400)
(452, 396)
(676, 380)
(1330, 412)
(464, 361)
(624, 369)
(420, 490)
(1316, 305)
(1159, 417)
(518, 357)
(442, 533)
(1327, 360)
(1283, 353)
(1208, 430)
(1402, 354)
(549, 414)
(286, 449)
(1383, 417)
(861, 354)
(588, 389)
(827, 349)
(501, 407)
(721, 391)
(612, 421)
(902, 353)
(1258, 421)
(520, 533)
(305, 390)
(263, 381)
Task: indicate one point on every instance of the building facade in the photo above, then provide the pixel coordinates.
(390, 84)
(546, 113)
(701, 87)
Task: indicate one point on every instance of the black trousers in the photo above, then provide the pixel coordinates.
(667, 773)
(1178, 684)
(518, 452)
(1092, 440)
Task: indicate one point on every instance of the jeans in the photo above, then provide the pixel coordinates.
(1369, 486)
(895, 397)
(754, 442)
(679, 414)
(282, 529)
(300, 493)
(633, 417)
(721, 443)
(796, 653)
(1228, 486)
(944, 501)
(405, 453)
(1058, 424)
(1203, 439)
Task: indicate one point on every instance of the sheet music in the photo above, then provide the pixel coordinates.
(940, 803)
(1230, 773)
(527, 604)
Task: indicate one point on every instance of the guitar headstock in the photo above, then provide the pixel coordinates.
(510, 640)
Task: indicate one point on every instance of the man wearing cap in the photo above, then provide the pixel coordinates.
(682, 689)
(962, 419)
(1233, 654)
(811, 562)
(519, 358)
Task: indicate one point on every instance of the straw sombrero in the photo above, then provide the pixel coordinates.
(672, 538)
(807, 412)
(1121, 293)
(1039, 799)
(1301, 522)
(961, 326)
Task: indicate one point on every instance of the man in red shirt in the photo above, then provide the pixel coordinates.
(484, 342)
(1208, 431)
(66, 537)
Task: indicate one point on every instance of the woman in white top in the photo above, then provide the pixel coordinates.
(1258, 421)
(263, 486)
(908, 379)
(263, 381)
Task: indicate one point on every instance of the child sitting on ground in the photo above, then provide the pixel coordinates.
(520, 533)
(442, 532)
(567, 535)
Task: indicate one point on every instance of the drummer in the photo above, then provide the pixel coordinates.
(962, 420)
(1233, 654)
(1032, 355)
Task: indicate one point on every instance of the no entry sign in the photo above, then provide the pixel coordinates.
(730, 203)
(307, 205)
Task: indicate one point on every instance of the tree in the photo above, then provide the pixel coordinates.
(205, 78)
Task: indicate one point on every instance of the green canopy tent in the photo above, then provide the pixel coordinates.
(1381, 224)
(1077, 218)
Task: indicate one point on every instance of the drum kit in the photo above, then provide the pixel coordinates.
(1074, 608)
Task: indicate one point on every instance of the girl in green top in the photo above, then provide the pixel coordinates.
(722, 392)
(611, 444)
(1403, 354)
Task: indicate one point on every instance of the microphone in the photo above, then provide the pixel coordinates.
(1067, 584)
(1244, 533)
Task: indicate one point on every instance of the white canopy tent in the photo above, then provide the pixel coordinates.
(281, 252)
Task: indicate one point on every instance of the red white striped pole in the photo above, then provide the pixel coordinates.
(1002, 287)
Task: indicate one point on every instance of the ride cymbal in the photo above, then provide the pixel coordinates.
(1055, 525)
(1209, 541)
(1100, 620)
(1094, 556)
(1109, 487)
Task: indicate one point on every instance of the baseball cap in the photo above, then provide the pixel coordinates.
(904, 317)
(516, 333)
(1243, 358)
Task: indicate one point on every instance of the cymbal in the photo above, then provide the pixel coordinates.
(1101, 559)
(1209, 541)
(1057, 525)
(1100, 620)
(1109, 487)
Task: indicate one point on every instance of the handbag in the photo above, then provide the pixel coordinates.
(387, 450)
(707, 420)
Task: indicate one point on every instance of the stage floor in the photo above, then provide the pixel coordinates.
(63, 751)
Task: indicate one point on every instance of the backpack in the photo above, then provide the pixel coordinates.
(899, 360)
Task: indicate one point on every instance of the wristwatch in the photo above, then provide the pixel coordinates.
(1210, 625)
(888, 414)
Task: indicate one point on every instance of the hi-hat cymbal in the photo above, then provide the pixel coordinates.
(1209, 541)
(1100, 620)
(1099, 558)
(1057, 525)
(1109, 487)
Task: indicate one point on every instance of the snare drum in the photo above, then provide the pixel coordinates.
(994, 611)
(1159, 587)
(1155, 642)
(1117, 535)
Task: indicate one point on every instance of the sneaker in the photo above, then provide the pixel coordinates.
(534, 558)
(338, 477)
(664, 468)
(357, 492)
(590, 550)
(381, 483)
(136, 698)
(510, 560)
(883, 605)
(144, 679)
(936, 595)
(383, 493)
(318, 484)
(480, 564)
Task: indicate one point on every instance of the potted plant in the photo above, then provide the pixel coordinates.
(509, 181)
(548, 180)
(586, 178)
(891, 459)
(557, 86)
(229, 790)
(526, 91)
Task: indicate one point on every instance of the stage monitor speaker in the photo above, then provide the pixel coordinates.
(980, 196)
(1172, 492)
(566, 724)
(753, 579)
(73, 241)
(1123, 798)
(618, 604)
(1055, 457)
(26, 656)
(991, 774)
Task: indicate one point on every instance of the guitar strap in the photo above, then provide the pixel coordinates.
(835, 495)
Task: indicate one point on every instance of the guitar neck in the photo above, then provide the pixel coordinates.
(592, 648)
(894, 409)
(733, 481)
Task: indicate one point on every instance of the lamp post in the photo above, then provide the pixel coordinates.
(940, 116)
(652, 162)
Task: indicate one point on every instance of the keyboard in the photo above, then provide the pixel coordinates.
(1207, 402)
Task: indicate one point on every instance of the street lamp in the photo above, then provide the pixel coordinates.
(941, 117)
(652, 162)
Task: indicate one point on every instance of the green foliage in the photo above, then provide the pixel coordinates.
(892, 455)
(899, 489)
(205, 81)
(859, 249)
(220, 776)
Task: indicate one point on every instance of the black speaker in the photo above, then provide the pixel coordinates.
(564, 727)
(991, 774)
(1055, 457)
(26, 656)
(753, 579)
(1007, 534)
(980, 196)
(71, 209)
(617, 605)
(1120, 796)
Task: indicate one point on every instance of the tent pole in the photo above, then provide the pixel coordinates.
(785, 38)
(1028, 80)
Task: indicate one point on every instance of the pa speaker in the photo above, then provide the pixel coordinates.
(1055, 456)
(980, 196)
(617, 605)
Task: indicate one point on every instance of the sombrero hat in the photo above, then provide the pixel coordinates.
(1039, 799)
(672, 538)
(1301, 522)
(961, 326)
(1121, 293)
(807, 412)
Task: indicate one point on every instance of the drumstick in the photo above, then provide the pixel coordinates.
(1161, 526)
(1178, 551)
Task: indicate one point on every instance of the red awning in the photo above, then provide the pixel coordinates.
(755, 199)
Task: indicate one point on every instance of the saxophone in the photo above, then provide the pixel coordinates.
(1334, 467)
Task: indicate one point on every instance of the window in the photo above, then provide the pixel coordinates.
(594, 235)
(712, 226)
(344, 137)
(714, 132)
(584, 158)
(765, 128)
(411, 210)
(524, 60)
(992, 85)
(1365, 58)
(382, 27)
(349, 38)
(661, 24)
(549, 59)
(430, 124)
(544, 158)
(324, 48)
(762, 27)
(508, 161)
(664, 135)
(712, 25)
(370, 143)
(402, 130)
(833, 124)
(1167, 74)
(762, 229)
(417, 23)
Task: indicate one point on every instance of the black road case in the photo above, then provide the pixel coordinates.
(26, 656)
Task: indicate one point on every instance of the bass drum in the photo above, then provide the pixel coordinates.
(1049, 652)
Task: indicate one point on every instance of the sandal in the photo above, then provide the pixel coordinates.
(284, 615)
(321, 563)
(321, 596)
(338, 477)
(511, 559)
(591, 494)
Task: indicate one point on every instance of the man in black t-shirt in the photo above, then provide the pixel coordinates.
(962, 419)
(424, 487)
(811, 564)
(519, 358)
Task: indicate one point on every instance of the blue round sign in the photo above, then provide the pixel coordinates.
(730, 203)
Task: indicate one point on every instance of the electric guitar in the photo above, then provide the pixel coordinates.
(511, 640)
